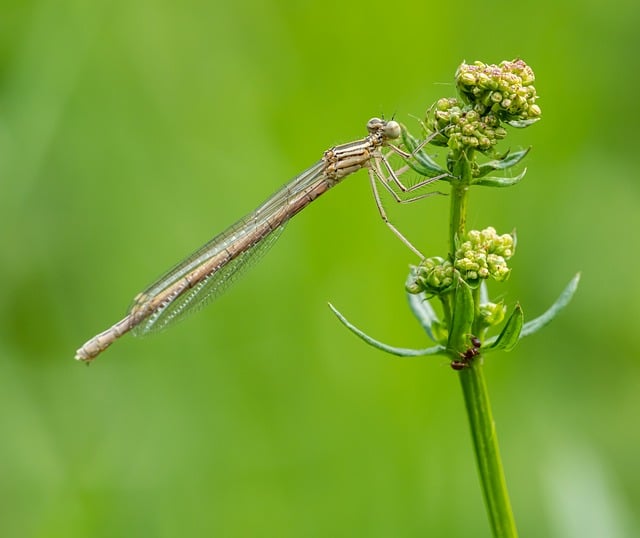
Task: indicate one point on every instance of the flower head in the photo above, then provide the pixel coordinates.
(433, 275)
(483, 254)
(505, 90)
(457, 125)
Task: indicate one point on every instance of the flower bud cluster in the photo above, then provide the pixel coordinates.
(506, 90)
(433, 275)
(484, 254)
(481, 255)
(458, 126)
(489, 96)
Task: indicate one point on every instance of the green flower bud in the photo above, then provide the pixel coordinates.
(413, 287)
(466, 79)
(481, 108)
(468, 129)
(491, 120)
(491, 313)
(484, 142)
(470, 141)
(472, 116)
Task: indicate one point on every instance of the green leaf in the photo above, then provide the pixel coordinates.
(420, 161)
(509, 160)
(424, 312)
(565, 297)
(399, 351)
(521, 124)
(500, 181)
(462, 316)
(510, 334)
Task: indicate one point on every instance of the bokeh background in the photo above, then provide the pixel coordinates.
(131, 132)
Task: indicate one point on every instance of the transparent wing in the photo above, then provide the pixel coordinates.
(211, 269)
(207, 290)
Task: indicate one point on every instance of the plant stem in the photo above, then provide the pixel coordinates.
(459, 193)
(485, 440)
(459, 199)
(476, 397)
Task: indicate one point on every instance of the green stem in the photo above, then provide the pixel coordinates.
(476, 315)
(459, 199)
(485, 440)
(445, 299)
(476, 398)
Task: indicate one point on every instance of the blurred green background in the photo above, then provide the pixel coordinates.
(131, 132)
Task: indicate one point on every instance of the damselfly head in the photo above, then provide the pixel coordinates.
(389, 129)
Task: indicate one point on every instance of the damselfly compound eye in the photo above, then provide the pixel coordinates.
(392, 129)
(374, 124)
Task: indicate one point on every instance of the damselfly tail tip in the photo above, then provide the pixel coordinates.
(83, 356)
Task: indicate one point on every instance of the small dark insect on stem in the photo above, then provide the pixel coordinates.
(468, 355)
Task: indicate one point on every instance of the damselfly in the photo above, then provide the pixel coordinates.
(208, 271)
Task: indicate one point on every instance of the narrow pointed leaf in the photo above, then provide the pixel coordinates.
(565, 297)
(423, 311)
(509, 160)
(500, 181)
(420, 161)
(399, 351)
(521, 124)
(510, 334)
